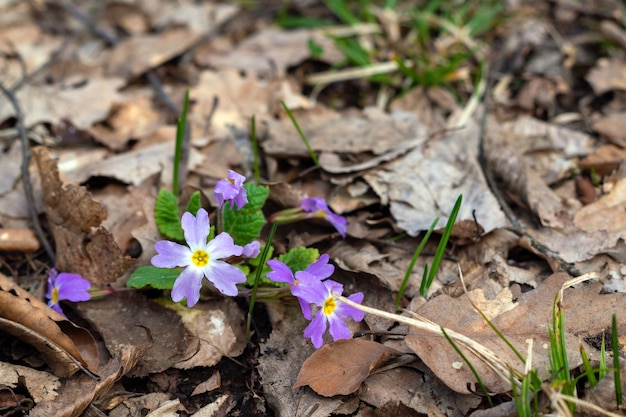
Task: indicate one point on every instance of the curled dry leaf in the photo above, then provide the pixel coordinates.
(63, 345)
(78, 392)
(340, 367)
(83, 246)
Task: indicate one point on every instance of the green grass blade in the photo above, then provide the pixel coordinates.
(409, 270)
(483, 388)
(501, 336)
(443, 242)
(589, 372)
(616, 365)
(603, 367)
(255, 151)
(424, 283)
(390, 4)
(341, 10)
(181, 126)
(301, 133)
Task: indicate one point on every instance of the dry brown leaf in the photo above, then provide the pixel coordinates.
(138, 54)
(607, 75)
(130, 319)
(121, 223)
(604, 159)
(83, 246)
(606, 215)
(394, 385)
(214, 382)
(215, 329)
(430, 105)
(597, 228)
(201, 18)
(505, 147)
(78, 392)
(373, 132)
(341, 367)
(270, 51)
(41, 385)
(613, 127)
(63, 345)
(10, 168)
(222, 406)
(389, 264)
(587, 312)
(81, 105)
(426, 182)
(131, 120)
(29, 42)
(283, 354)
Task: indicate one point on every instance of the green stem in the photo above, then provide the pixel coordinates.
(257, 277)
(181, 126)
(255, 151)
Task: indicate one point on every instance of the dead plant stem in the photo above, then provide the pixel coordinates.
(26, 180)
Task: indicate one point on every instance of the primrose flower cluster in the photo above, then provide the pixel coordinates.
(312, 288)
(210, 259)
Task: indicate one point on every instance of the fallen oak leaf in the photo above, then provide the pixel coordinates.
(340, 367)
(63, 345)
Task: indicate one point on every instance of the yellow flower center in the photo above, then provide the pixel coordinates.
(55, 295)
(329, 306)
(200, 258)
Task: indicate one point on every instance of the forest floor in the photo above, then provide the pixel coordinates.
(517, 106)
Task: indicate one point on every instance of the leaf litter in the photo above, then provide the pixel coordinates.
(559, 162)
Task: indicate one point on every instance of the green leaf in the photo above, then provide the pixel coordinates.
(299, 258)
(342, 11)
(315, 48)
(159, 278)
(194, 203)
(167, 215)
(245, 225)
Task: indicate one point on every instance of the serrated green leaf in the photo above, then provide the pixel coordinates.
(299, 258)
(167, 215)
(245, 225)
(159, 278)
(194, 203)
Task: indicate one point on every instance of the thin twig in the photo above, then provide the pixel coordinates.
(26, 181)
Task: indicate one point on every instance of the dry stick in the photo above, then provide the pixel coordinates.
(26, 182)
(517, 227)
(151, 76)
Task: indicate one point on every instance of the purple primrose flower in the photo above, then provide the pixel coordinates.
(319, 208)
(66, 286)
(252, 249)
(331, 311)
(201, 259)
(318, 271)
(231, 189)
